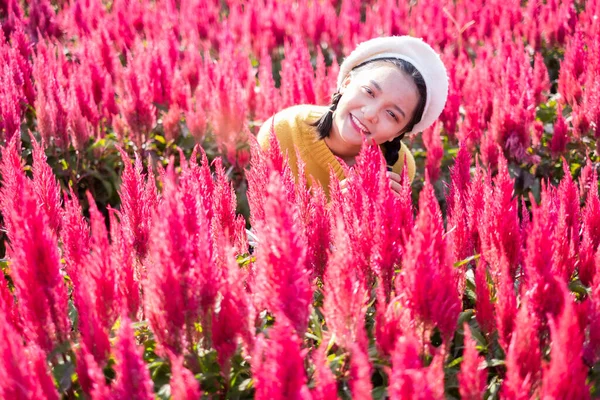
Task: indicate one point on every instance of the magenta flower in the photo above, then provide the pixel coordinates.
(566, 234)
(138, 201)
(565, 375)
(35, 261)
(282, 279)
(408, 376)
(344, 289)
(233, 320)
(278, 365)
(506, 302)
(325, 386)
(90, 375)
(458, 196)
(523, 358)
(360, 368)
(484, 310)
(132, 375)
(75, 236)
(46, 187)
(591, 231)
(428, 283)
(432, 139)
(560, 138)
(179, 288)
(499, 227)
(225, 220)
(472, 377)
(184, 385)
(23, 370)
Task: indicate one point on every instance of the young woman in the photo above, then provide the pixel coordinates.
(387, 88)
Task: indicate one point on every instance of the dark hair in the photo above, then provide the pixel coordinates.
(392, 147)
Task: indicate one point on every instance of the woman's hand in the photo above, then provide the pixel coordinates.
(395, 180)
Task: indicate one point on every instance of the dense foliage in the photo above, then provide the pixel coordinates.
(129, 174)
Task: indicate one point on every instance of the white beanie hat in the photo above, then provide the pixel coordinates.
(414, 51)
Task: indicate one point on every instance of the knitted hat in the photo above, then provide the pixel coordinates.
(416, 52)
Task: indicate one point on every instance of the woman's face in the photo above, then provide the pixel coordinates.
(376, 102)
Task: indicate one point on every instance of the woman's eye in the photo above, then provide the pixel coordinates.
(368, 90)
(393, 115)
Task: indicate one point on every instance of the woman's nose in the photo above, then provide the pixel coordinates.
(370, 113)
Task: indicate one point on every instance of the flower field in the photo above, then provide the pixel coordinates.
(129, 173)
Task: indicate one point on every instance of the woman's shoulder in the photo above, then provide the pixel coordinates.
(290, 122)
(300, 113)
(404, 155)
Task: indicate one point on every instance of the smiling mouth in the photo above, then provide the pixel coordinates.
(358, 125)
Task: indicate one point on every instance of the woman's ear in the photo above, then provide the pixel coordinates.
(345, 83)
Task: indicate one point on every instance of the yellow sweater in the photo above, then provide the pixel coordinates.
(293, 131)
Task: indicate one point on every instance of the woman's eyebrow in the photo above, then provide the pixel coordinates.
(379, 89)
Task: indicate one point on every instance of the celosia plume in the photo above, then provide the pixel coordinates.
(179, 287)
(184, 385)
(565, 375)
(472, 377)
(408, 377)
(325, 386)
(523, 357)
(484, 310)
(428, 282)
(138, 201)
(458, 196)
(345, 291)
(23, 368)
(233, 321)
(282, 279)
(132, 376)
(278, 364)
(35, 260)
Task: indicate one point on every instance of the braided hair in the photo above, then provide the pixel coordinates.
(391, 148)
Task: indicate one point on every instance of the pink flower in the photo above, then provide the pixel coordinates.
(325, 387)
(458, 196)
(472, 377)
(90, 375)
(179, 289)
(225, 220)
(499, 228)
(506, 301)
(233, 320)
(184, 385)
(46, 187)
(408, 377)
(132, 375)
(75, 236)
(51, 98)
(523, 358)
(360, 368)
(565, 375)
(566, 234)
(35, 261)
(432, 140)
(282, 280)
(344, 289)
(138, 201)
(278, 365)
(591, 232)
(315, 217)
(484, 310)
(560, 138)
(23, 370)
(428, 282)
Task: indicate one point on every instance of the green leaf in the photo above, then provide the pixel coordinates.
(63, 373)
(467, 260)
